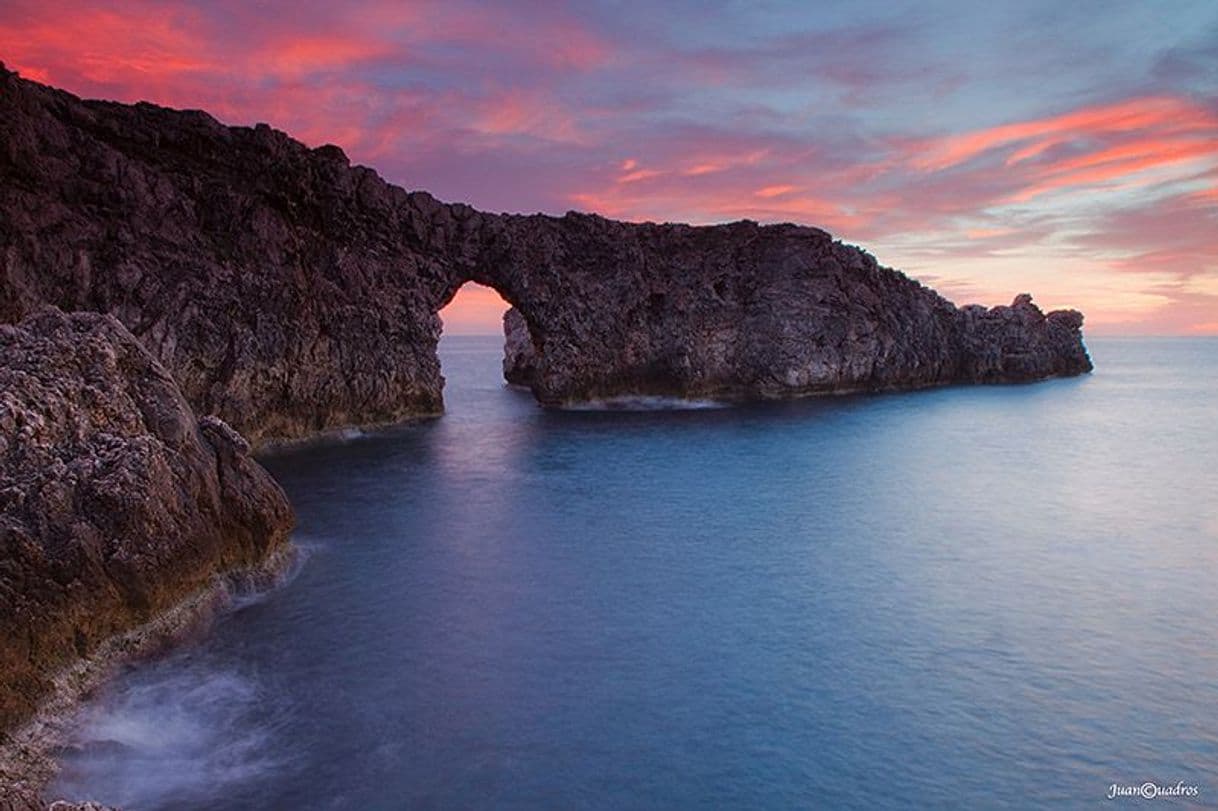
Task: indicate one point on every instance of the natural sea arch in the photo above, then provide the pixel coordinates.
(478, 310)
(290, 292)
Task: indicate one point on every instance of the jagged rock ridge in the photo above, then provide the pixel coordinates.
(289, 292)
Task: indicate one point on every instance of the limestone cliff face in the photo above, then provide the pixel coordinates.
(289, 292)
(749, 311)
(284, 290)
(115, 502)
(851, 351)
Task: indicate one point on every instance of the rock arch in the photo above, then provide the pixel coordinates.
(290, 292)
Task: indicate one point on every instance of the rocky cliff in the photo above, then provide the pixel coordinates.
(289, 292)
(746, 311)
(117, 504)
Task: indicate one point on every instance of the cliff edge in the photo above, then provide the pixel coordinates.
(117, 504)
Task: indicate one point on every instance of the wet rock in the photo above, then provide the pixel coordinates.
(28, 800)
(118, 503)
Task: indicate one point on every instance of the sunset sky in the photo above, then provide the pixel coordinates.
(1066, 149)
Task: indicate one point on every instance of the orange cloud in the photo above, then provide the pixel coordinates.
(1117, 162)
(520, 112)
(1135, 115)
(639, 174)
(708, 164)
(774, 191)
(107, 46)
(1205, 195)
(295, 56)
(101, 45)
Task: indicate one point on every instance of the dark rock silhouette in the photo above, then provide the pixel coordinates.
(117, 503)
(289, 292)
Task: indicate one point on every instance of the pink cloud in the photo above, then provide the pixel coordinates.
(1131, 116)
(778, 190)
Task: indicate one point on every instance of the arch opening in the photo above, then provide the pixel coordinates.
(478, 318)
(473, 310)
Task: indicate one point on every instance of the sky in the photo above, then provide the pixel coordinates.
(1065, 149)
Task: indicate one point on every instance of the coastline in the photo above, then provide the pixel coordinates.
(28, 761)
(269, 447)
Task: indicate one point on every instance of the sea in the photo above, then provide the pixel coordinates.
(971, 597)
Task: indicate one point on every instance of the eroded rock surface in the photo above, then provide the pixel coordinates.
(746, 311)
(289, 292)
(286, 291)
(115, 502)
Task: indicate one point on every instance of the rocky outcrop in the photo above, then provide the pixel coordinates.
(519, 355)
(849, 350)
(289, 292)
(31, 801)
(286, 291)
(747, 311)
(1020, 342)
(117, 504)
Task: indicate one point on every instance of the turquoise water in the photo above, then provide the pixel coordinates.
(991, 597)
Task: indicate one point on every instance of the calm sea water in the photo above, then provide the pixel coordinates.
(993, 597)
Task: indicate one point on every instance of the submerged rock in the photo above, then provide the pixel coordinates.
(117, 504)
(289, 292)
